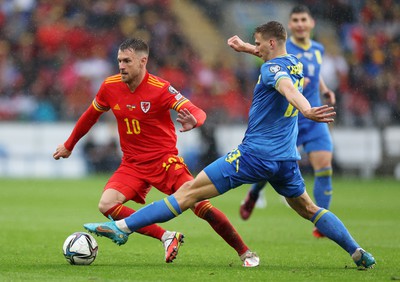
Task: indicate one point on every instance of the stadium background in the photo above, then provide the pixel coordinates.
(55, 54)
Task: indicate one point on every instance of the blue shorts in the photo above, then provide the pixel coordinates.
(237, 168)
(314, 136)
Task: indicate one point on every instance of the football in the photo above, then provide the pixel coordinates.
(80, 248)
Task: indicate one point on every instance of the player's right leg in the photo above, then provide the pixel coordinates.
(224, 228)
(248, 204)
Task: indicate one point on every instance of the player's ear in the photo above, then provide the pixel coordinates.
(312, 23)
(271, 43)
(143, 60)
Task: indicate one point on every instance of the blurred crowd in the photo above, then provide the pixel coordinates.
(54, 55)
(364, 66)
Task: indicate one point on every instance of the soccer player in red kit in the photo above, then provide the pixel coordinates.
(141, 103)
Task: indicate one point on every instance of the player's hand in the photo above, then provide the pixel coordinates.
(323, 113)
(329, 98)
(61, 152)
(237, 44)
(187, 120)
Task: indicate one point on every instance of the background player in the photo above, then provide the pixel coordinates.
(268, 152)
(141, 103)
(314, 137)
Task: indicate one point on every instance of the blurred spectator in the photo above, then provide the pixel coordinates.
(62, 50)
(372, 46)
(101, 158)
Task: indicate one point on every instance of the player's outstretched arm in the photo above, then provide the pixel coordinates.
(319, 114)
(83, 125)
(237, 44)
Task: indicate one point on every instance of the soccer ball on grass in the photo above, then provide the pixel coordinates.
(80, 248)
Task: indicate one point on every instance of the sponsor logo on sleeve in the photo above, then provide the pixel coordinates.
(172, 90)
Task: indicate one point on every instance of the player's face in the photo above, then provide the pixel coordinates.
(301, 25)
(263, 46)
(131, 65)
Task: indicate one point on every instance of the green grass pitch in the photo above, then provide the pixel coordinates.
(37, 215)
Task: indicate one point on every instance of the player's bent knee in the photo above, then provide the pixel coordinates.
(105, 206)
(102, 208)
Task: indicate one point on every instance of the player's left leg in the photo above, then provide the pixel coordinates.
(289, 183)
(332, 227)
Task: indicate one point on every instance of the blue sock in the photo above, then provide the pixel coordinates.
(256, 188)
(323, 187)
(331, 226)
(159, 211)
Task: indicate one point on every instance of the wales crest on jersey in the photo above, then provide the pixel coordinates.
(145, 106)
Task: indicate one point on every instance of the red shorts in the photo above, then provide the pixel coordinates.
(166, 174)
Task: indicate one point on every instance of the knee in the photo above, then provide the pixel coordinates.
(185, 196)
(323, 166)
(109, 200)
(104, 206)
(320, 159)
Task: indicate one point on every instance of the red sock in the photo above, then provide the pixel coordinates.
(220, 223)
(120, 211)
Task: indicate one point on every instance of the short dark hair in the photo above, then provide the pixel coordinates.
(135, 44)
(300, 9)
(272, 29)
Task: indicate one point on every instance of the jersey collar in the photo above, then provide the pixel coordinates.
(305, 47)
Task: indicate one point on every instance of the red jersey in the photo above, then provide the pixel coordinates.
(145, 127)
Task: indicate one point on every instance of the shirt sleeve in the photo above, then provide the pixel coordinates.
(272, 73)
(83, 125)
(88, 118)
